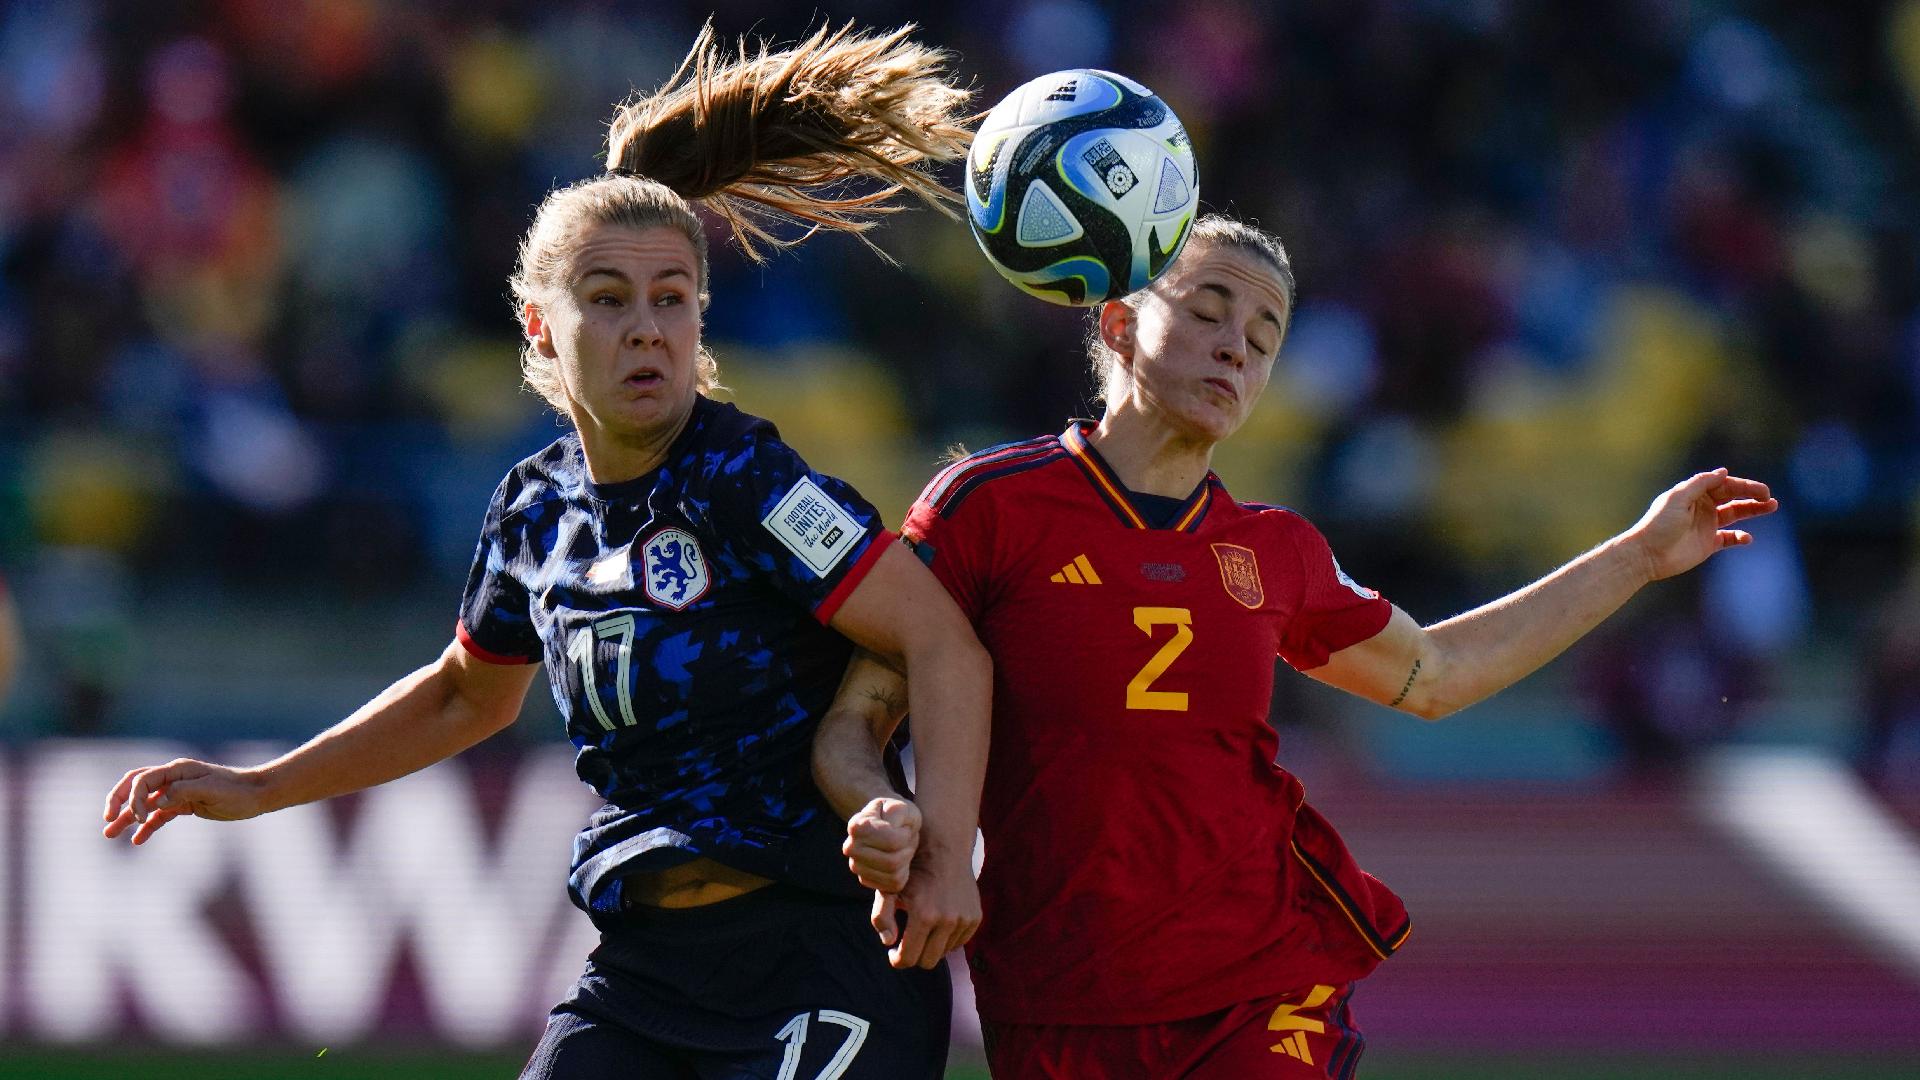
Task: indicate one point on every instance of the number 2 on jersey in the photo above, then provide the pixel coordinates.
(581, 651)
(1139, 692)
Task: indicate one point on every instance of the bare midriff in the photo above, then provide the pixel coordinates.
(695, 884)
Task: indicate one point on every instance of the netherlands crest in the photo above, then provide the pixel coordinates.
(676, 570)
(1240, 573)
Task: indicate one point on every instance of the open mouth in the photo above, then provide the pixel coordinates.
(645, 378)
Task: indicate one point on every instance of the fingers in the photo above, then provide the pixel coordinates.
(882, 836)
(147, 785)
(153, 823)
(1742, 509)
(885, 922)
(881, 842)
(943, 911)
(883, 877)
(118, 795)
(913, 945)
(117, 824)
(951, 934)
(1733, 538)
(145, 792)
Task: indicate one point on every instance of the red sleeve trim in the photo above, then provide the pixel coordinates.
(876, 547)
(472, 646)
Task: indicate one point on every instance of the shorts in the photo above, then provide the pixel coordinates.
(1300, 1035)
(778, 984)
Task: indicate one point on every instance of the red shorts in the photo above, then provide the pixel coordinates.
(1299, 1035)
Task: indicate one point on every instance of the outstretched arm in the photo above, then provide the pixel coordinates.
(1437, 670)
(432, 714)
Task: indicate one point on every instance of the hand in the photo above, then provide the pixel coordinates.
(1688, 523)
(157, 794)
(942, 903)
(881, 841)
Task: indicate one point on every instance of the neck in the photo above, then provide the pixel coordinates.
(1150, 455)
(615, 456)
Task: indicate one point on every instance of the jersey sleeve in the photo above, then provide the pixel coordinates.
(954, 548)
(810, 535)
(1334, 611)
(496, 619)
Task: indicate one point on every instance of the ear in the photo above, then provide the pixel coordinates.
(1116, 328)
(539, 331)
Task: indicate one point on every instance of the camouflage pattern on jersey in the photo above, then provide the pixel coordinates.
(681, 618)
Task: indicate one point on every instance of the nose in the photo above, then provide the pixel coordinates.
(644, 332)
(1231, 351)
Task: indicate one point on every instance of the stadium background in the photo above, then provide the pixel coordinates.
(257, 377)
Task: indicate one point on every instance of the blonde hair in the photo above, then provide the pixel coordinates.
(762, 138)
(1104, 364)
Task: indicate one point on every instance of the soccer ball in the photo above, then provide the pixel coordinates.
(1081, 187)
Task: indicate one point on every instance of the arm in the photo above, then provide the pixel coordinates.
(431, 714)
(883, 827)
(902, 614)
(1437, 670)
(847, 763)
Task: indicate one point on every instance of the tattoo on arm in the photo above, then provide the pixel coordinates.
(889, 698)
(1404, 690)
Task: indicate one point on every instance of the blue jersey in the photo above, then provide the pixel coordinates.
(682, 617)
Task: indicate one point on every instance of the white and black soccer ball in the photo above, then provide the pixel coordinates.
(1081, 186)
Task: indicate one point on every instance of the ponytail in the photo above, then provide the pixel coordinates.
(763, 137)
(824, 134)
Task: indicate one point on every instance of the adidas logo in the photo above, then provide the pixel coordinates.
(1283, 1019)
(1077, 572)
(1294, 1046)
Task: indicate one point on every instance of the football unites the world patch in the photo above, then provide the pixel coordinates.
(676, 569)
(817, 529)
(1240, 573)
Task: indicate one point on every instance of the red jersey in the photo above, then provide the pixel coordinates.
(1145, 859)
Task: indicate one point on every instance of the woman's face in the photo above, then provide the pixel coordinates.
(624, 331)
(1202, 341)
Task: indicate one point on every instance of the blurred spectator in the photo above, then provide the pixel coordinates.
(1890, 752)
(1664, 684)
(10, 642)
(253, 335)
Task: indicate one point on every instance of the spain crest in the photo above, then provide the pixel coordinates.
(1240, 573)
(676, 569)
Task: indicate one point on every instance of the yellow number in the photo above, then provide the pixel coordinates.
(1146, 618)
(1284, 1020)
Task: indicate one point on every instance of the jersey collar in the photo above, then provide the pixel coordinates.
(638, 488)
(1116, 495)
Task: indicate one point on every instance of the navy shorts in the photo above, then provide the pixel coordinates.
(779, 984)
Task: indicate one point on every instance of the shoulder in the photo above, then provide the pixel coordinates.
(1281, 519)
(541, 480)
(733, 443)
(996, 465)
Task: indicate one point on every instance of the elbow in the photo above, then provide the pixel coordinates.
(1430, 709)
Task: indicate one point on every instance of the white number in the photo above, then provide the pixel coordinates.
(581, 651)
(795, 1036)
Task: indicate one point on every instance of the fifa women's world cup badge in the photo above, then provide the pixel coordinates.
(1240, 573)
(676, 570)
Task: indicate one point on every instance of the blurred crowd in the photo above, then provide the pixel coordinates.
(255, 340)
